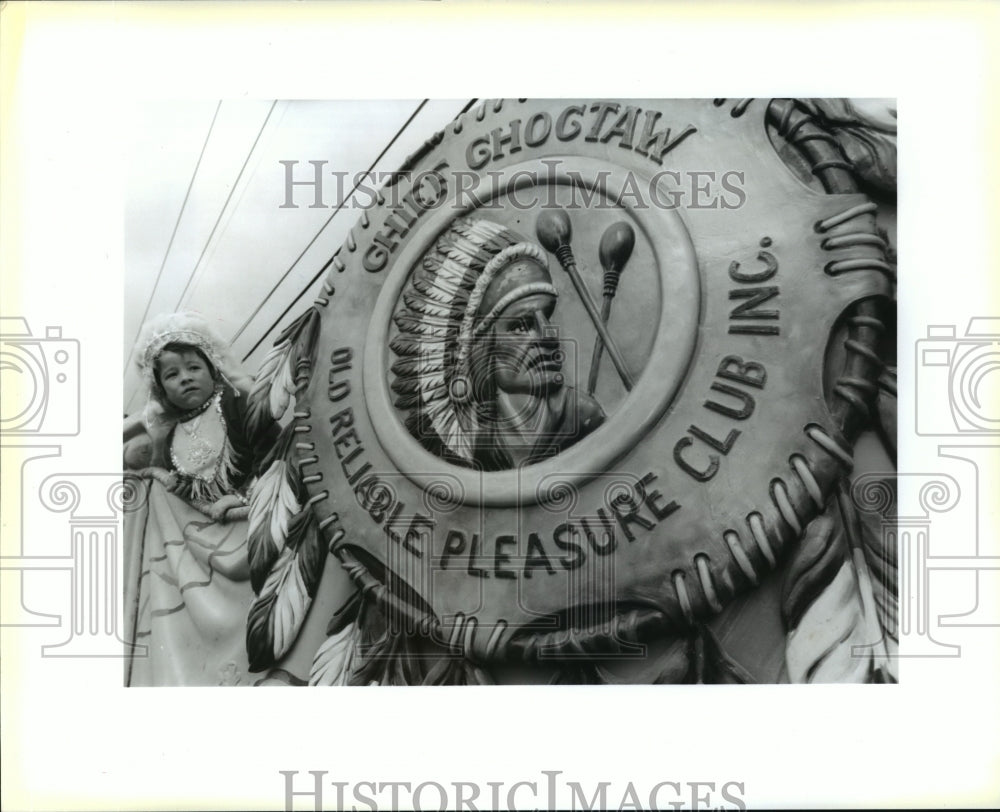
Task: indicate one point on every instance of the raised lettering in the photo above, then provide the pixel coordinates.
(344, 442)
(501, 557)
(341, 420)
(724, 446)
(454, 544)
(477, 154)
(338, 391)
(375, 258)
(418, 531)
(577, 556)
(736, 369)
(770, 269)
(650, 498)
(700, 474)
(657, 144)
(499, 139)
(757, 296)
(737, 414)
(626, 511)
(536, 557)
(472, 569)
(624, 128)
(602, 109)
(535, 135)
(608, 541)
(341, 355)
(567, 130)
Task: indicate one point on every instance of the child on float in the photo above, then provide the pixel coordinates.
(188, 588)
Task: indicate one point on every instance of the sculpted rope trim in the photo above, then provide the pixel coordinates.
(779, 495)
(682, 596)
(839, 266)
(470, 634)
(731, 537)
(758, 532)
(759, 535)
(822, 226)
(707, 585)
(463, 635)
(801, 466)
(456, 630)
(832, 163)
(334, 517)
(853, 238)
(824, 441)
(491, 645)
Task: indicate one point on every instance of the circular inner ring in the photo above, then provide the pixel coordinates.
(671, 353)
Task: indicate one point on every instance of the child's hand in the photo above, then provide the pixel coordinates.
(219, 509)
(168, 479)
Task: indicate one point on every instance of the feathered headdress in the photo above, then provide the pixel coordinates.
(439, 322)
(182, 328)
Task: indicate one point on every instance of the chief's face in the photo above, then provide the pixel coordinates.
(527, 357)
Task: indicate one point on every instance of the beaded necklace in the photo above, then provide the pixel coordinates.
(207, 466)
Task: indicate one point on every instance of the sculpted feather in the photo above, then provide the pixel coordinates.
(284, 371)
(332, 663)
(273, 505)
(281, 606)
(435, 302)
(833, 630)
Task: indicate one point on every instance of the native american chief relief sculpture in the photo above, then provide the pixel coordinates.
(584, 399)
(480, 364)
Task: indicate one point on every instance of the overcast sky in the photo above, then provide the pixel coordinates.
(203, 225)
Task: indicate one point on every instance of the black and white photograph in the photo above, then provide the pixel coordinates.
(576, 400)
(628, 443)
